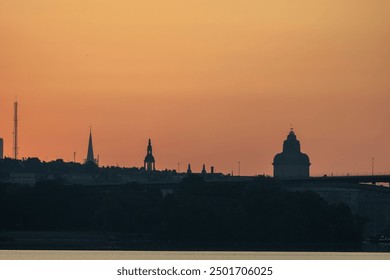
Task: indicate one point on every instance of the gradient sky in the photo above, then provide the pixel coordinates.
(214, 82)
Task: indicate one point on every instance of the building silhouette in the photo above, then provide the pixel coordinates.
(149, 162)
(189, 171)
(90, 157)
(291, 163)
(204, 172)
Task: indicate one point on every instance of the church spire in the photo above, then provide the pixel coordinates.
(149, 149)
(149, 162)
(90, 156)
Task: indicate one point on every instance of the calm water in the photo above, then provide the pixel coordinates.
(163, 255)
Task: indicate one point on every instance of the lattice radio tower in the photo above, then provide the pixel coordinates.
(16, 148)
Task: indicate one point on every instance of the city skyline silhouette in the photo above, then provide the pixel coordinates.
(165, 125)
(211, 86)
(235, 169)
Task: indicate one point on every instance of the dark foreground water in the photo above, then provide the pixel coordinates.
(97, 246)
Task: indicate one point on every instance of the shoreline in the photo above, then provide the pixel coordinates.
(184, 255)
(112, 241)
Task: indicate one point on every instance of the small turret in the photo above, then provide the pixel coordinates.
(204, 172)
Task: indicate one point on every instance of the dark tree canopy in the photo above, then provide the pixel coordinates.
(219, 215)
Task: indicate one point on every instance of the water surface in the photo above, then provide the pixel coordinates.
(185, 255)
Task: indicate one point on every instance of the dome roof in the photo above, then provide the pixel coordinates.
(149, 158)
(292, 159)
(291, 154)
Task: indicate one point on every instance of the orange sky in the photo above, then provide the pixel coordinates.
(212, 82)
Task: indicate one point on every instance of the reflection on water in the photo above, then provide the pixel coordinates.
(185, 255)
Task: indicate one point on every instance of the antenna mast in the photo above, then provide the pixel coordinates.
(16, 148)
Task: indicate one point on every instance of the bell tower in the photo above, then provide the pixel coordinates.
(149, 162)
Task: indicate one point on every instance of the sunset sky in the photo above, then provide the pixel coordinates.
(214, 82)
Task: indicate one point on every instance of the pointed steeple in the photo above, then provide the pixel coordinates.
(90, 156)
(149, 149)
(204, 172)
(189, 171)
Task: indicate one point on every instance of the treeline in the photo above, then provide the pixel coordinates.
(58, 168)
(195, 213)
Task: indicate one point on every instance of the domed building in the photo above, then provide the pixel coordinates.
(291, 163)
